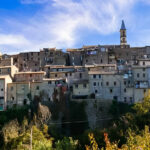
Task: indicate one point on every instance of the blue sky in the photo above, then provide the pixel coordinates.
(29, 25)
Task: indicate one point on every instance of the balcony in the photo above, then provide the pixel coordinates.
(141, 84)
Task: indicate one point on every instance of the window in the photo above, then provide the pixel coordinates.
(138, 75)
(125, 90)
(76, 86)
(94, 83)
(94, 76)
(49, 82)
(144, 91)
(107, 83)
(30, 75)
(11, 88)
(143, 69)
(80, 75)
(143, 75)
(143, 63)
(84, 85)
(1, 89)
(86, 60)
(95, 91)
(99, 76)
(101, 83)
(115, 83)
(70, 74)
(37, 87)
(55, 75)
(111, 90)
(12, 98)
(66, 74)
(125, 99)
(124, 82)
(131, 99)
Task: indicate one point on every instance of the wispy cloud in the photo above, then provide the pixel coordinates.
(63, 26)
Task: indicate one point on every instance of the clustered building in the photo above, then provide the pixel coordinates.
(108, 72)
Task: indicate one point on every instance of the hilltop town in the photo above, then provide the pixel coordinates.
(106, 72)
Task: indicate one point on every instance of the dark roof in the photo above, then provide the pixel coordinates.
(123, 25)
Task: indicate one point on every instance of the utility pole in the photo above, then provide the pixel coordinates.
(31, 139)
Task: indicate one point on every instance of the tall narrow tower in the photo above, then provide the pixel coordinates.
(123, 37)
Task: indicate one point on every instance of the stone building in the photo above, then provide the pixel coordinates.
(4, 80)
(29, 76)
(80, 89)
(21, 93)
(35, 61)
(109, 72)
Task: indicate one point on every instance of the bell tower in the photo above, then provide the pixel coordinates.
(123, 37)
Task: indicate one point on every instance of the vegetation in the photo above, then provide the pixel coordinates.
(129, 129)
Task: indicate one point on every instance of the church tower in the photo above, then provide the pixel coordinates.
(123, 37)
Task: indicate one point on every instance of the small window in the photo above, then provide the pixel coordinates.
(143, 75)
(49, 82)
(80, 75)
(125, 83)
(94, 76)
(12, 98)
(76, 86)
(66, 74)
(144, 91)
(37, 87)
(125, 90)
(11, 88)
(115, 83)
(143, 63)
(101, 83)
(2, 89)
(99, 76)
(143, 69)
(111, 90)
(94, 83)
(30, 75)
(125, 99)
(107, 83)
(95, 91)
(70, 74)
(84, 85)
(138, 75)
(55, 75)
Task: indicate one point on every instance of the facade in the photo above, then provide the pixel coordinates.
(35, 61)
(108, 72)
(81, 90)
(4, 80)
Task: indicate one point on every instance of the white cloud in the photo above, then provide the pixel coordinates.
(13, 40)
(63, 27)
